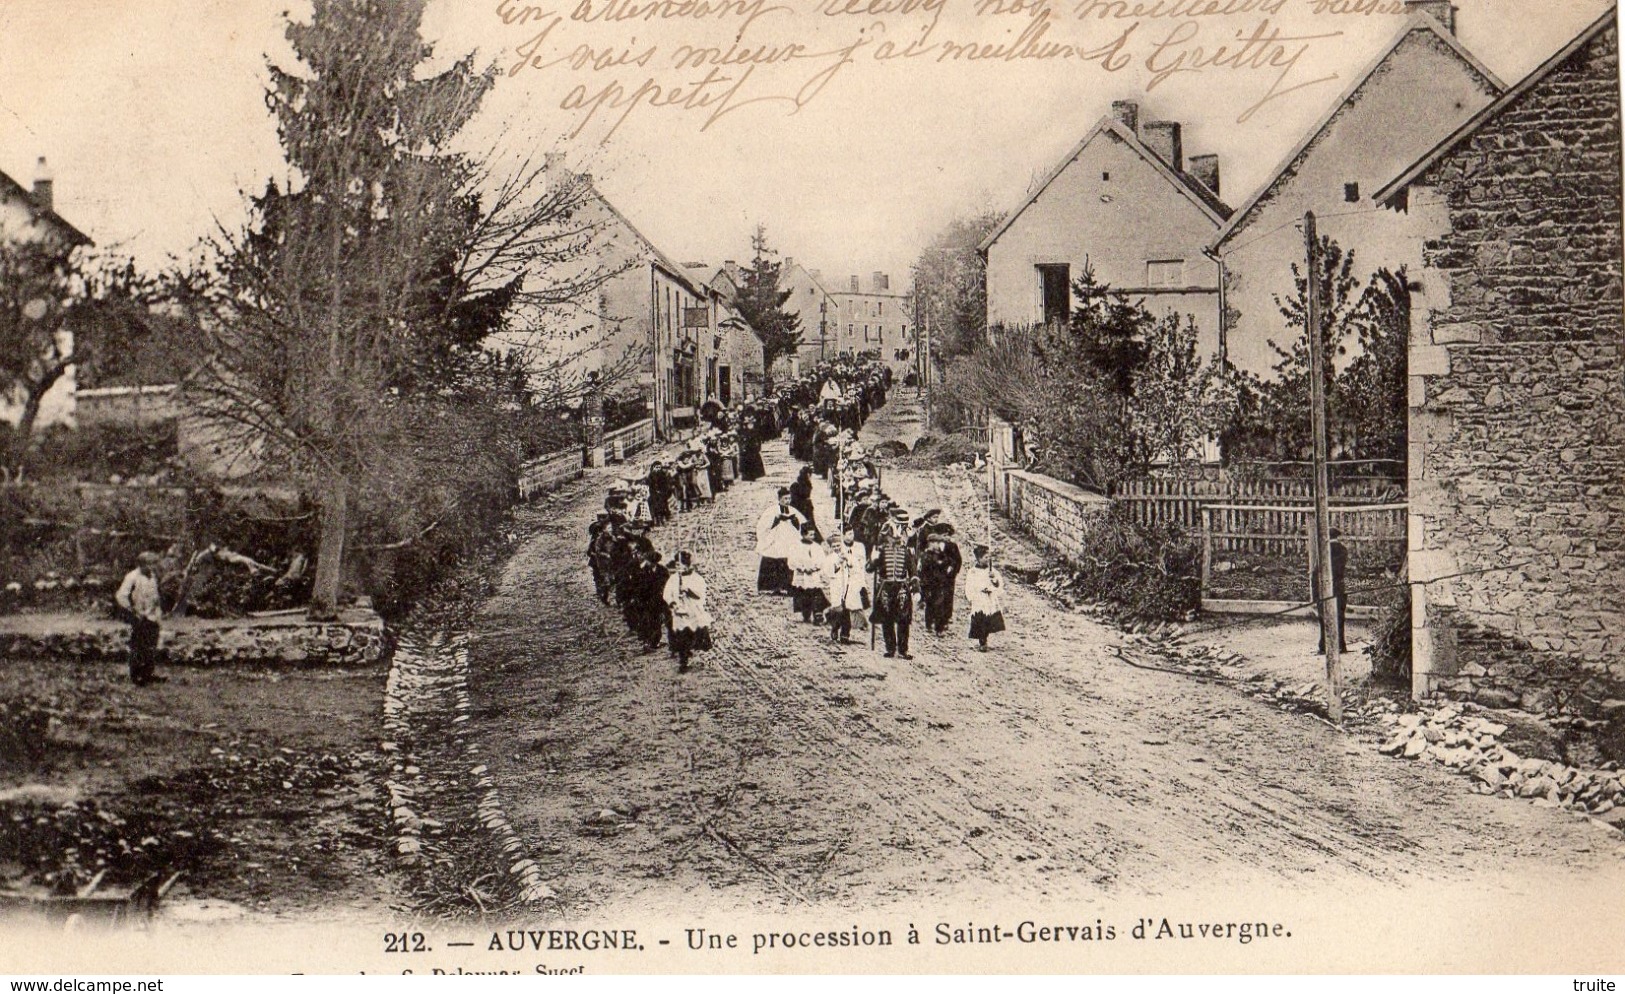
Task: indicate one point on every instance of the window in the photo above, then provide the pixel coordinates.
(1055, 283)
(1351, 192)
(1165, 272)
(1105, 177)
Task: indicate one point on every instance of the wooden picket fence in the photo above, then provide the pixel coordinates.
(1158, 502)
(1255, 534)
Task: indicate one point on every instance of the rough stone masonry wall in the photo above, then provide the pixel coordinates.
(1061, 516)
(1517, 426)
(200, 643)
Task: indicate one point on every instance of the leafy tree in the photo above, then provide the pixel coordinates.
(61, 308)
(1366, 406)
(1103, 398)
(1372, 392)
(950, 285)
(761, 303)
(1180, 401)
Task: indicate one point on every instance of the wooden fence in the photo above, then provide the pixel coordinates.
(1257, 556)
(1180, 502)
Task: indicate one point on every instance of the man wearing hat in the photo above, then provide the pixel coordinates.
(138, 598)
(896, 570)
(662, 484)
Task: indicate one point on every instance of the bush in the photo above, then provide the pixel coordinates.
(1391, 639)
(1140, 573)
(934, 450)
(102, 451)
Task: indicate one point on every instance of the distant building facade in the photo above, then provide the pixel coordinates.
(651, 330)
(28, 216)
(874, 316)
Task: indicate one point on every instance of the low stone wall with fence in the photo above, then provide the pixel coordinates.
(1060, 515)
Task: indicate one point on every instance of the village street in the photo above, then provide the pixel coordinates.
(786, 772)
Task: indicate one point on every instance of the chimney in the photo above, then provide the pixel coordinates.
(1127, 113)
(1206, 170)
(44, 186)
(1163, 138)
(1442, 11)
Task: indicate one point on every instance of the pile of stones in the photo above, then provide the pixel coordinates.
(1470, 744)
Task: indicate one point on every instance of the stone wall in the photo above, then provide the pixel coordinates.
(358, 639)
(1060, 515)
(1517, 431)
(629, 441)
(548, 472)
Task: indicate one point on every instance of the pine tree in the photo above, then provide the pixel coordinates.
(761, 303)
(346, 295)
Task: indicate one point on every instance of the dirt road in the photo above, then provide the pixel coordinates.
(786, 772)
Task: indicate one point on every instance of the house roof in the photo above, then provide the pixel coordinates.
(1417, 22)
(1385, 195)
(1186, 184)
(660, 259)
(817, 284)
(10, 185)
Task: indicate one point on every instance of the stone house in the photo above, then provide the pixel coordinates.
(1419, 87)
(817, 308)
(808, 301)
(651, 330)
(28, 216)
(873, 317)
(737, 371)
(1125, 203)
(1517, 390)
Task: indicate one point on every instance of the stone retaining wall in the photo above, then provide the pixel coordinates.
(1060, 515)
(351, 642)
(550, 472)
(629, 441)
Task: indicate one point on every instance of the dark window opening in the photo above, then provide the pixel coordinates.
(1351, 192)
(1056, 282)
(1106, 177)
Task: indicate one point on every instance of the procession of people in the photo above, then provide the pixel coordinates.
(867, 572)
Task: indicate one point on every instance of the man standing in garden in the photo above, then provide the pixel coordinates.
(138, 597)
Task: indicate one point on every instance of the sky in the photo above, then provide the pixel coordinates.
(152, 112)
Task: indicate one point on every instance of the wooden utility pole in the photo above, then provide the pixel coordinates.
(925, 373)
(1325, 597)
